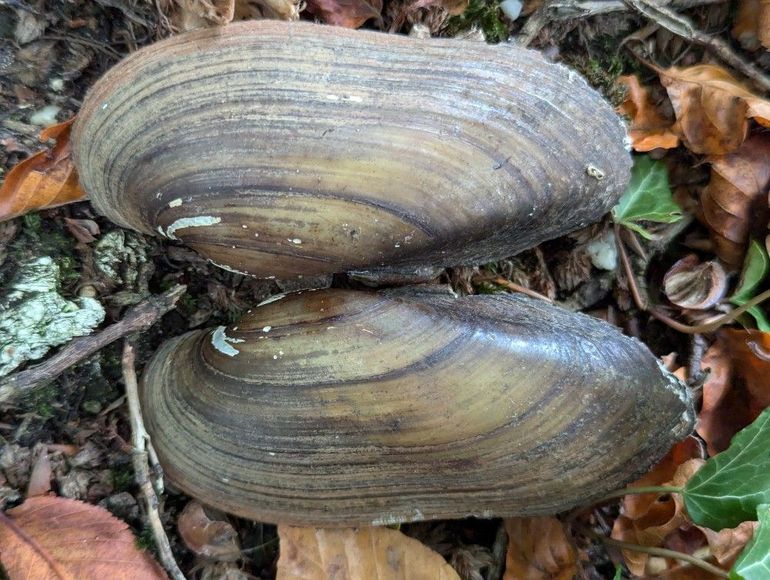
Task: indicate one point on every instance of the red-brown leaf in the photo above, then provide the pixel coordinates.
(538, 548)
(347, 13)
(46, 179)
(58, 538)
(649, 128)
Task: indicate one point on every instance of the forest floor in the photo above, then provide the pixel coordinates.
(76, 428)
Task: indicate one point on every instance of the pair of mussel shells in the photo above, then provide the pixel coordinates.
(287, 150)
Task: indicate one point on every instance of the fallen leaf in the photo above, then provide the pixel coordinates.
(732, 484)
(647, 197)
(755, 269)
(736, 390)
(712, 108)
(350, 553)
(56, 537)
(726, 544)
(751, 26)
(649, 129)
(453, 7)
(208, 536)
(347, 13)
(754, 563)
(268, 9)
(40, 478)
(735, 200)
(538, 549)
(46, 179)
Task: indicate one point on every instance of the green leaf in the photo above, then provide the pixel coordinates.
(647, 197)
(755, 268)
(618, 572)
(728, 488)
(754, 561)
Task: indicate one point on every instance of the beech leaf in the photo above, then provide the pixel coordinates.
(647, 197)
(731, 485)
(754, 561)
(66, 539)
(649, 129)
(755, 268)
(45, 179)
(538, 548)
(371, 553)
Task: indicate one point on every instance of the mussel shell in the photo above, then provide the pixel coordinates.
(293, 149)
(338, 408)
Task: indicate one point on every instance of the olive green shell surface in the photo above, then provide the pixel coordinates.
(339, 408)
(294, 149)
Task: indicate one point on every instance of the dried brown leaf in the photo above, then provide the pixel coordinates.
(208, 536)
(538, 549)
(46, 179)
(59, 538)
(347, 13)
(350, 553)
(726, 544)
(752, 24)
(737, 389)
(453, 7)
(734, 202)
(712, 108)
(649, 128)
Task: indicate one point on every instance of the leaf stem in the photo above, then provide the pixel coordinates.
(643, 489)
(665, 553)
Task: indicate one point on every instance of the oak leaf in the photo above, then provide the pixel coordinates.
(46, 179)
(735, 200)
(65, 539)
(346, 13)
(538, 549)
(352, 553)
(649, 128)
(712, 108)
(737, 388)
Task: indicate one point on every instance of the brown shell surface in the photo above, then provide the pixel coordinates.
(338, 408)
(293, 149)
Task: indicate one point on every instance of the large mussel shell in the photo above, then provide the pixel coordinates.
(343, 408)
(292, 149)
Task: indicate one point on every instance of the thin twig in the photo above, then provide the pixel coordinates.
(500, 281)
(499, 550)
(639, 300)
(139, 440)
(138, 318)
(664, 553)
(640, 490)
(681, 26)
(569, 9)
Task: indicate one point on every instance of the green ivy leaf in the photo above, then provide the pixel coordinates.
(728, 488)
(754, 561)
(647, 197)
(755, 268)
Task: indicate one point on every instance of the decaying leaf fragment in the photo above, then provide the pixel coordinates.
(211, 537)
(751, 26)
(347, 13)
(737, 388)
(649, 128)
(712, 108)
(65, 539)
(350, 553)
(193, 14)
(735, 201)
(538, 548)
(46, 179)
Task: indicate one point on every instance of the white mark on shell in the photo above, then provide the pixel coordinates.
(175, 202)
(221, 342)
(229, 269)
(594, 172)
(295, 241)
(266, 328)
(191, 222)
(274, 298)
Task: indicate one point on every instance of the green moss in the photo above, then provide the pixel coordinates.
(145, 541)
(41, 400)
(122, 478)
(602, 64)
(482, 14)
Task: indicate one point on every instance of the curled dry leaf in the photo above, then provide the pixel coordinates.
(695, 285)
(735, 204)
(347, 13)
(649, 128)
(538, 548)
(453, 7)
(712, 108)
(56, 537)
(211, 537)
(737, 389)
(193, 14)
(350, 553)
(46, 179)
(752, 24)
